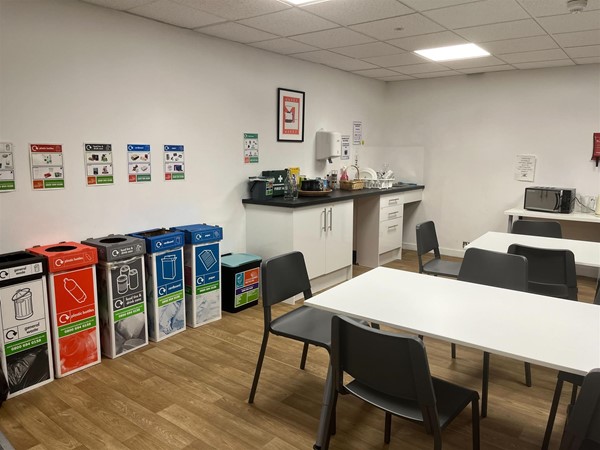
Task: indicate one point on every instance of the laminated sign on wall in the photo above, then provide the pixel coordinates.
(7, 167)
(174, 162)
(138, 163)
(98, 164)
(47, 170)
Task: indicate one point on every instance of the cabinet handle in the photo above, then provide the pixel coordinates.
(392, 215)
(325, 219)
(392, 227)
(330, 219)
(393, 201)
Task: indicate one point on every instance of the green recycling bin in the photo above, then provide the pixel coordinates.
(241, 281)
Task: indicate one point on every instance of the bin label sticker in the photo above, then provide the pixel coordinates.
(25, 334)
(174, 162)
(139, 164)
(246, 287)
(98, 164)
(75, 319)
(20, 271)
(47, 171)
(169, 303)
(7, 167)
(203, 287)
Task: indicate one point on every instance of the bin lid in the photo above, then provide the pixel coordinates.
(160, 239)
(200, 233)
(115, 247)
(66, 255)
(239, 259)
(21, 264)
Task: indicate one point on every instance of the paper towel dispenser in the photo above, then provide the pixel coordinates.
(329, 144)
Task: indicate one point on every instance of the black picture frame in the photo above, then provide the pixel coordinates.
(290, 115)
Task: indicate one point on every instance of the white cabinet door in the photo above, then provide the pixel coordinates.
(339, 235)
(310, 234)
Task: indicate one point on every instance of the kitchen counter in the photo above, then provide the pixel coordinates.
(337, 195)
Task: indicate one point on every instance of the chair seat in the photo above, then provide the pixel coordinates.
(305, 324)
(451, 400)
(442, 267)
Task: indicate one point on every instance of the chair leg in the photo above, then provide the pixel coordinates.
(528, 374)
(259, 363)
(485, 383)
(388, 427)
(475, 424)
(304, 355)
(329, 400)
(453, 350)
(552, 415)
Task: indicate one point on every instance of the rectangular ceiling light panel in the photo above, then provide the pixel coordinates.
(453, 52)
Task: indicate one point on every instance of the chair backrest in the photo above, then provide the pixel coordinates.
(426, 241)
(284, 276)
(537, 228)
(597, 296)
(549, 267)
(391, 363)
(494, 269)
(582, 430)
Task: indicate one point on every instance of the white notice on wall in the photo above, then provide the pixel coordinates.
(345, 147)
(357, 132)
(525, 167)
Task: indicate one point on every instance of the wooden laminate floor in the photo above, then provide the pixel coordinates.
(190, 392)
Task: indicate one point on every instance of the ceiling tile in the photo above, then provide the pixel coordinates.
(527, 44)
(578, 38)
(235, 32)
(402, 59)
(236, 9)
(175, 14)
(587, 20)
(284, 46)
(397, 78)
(432, 40)
(119, 4)
(543, 64)
(336, 37)
(592, 60)
(398, 27)
(540, 8)
(289, 22)
(498, 31)
(583, 52)
(445, 73)
(348, 12)
(474, 62)
(479, 13)
(420, 68)
(368, 50)
(375, 73)
(540, 55)
(424, 5)
(487, 69)
(334, 60)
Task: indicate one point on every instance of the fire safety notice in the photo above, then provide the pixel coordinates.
(47, 171)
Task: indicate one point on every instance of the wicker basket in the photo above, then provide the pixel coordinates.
(352, 185)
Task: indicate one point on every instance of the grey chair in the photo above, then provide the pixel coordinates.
(582, 429)
(551, 271)
(283, 277)
(597, 296)
(537, 228)
(427, 242)
(391, 371)
(499, 270)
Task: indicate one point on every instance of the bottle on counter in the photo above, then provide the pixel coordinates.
(290, 186)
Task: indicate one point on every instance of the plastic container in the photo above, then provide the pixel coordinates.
(165, 300)
(202, 273)
(241, 281)
(73, 305)
(121, 293)
(26, 349)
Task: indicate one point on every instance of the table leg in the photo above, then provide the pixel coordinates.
(322, 442)
(484, 383)
(510, 222)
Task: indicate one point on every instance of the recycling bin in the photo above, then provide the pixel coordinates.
(26, 349)
(73, 305)
(202, 273)
(241, 278)
(164, 282)
(121, 293)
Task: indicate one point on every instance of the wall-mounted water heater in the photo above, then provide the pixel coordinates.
(329, 145)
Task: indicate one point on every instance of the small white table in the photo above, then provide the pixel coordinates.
(547, 331)
(586, 253)
(572, 217)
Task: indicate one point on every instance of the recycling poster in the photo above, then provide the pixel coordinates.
(174, 162)
(98, 164)
(138, 161)
(7, 167)
(47, 171)
(250, 148)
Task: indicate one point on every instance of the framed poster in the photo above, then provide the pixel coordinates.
(290, 115)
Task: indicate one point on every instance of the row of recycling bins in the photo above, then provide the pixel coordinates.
(63, 305)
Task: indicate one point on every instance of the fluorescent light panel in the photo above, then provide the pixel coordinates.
(303, 2)
(453, 52)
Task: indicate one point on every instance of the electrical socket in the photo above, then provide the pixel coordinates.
(465, 243)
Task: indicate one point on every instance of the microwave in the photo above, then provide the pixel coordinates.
(550, 199)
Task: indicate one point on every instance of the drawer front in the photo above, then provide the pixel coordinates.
(390, 200)
(391, 213)
(390, 235)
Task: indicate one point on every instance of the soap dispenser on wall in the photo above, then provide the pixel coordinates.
(329, 145)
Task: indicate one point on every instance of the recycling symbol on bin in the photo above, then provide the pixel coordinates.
(239, 279)
(200, 280)
(162, 291)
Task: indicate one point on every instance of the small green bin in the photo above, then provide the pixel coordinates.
(241, 281)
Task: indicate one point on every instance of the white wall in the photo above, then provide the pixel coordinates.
(472, 127)
(73, 72)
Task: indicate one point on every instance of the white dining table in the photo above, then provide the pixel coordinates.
(546, 331)
(586, 253)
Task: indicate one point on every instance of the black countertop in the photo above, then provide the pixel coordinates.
(336, 196)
